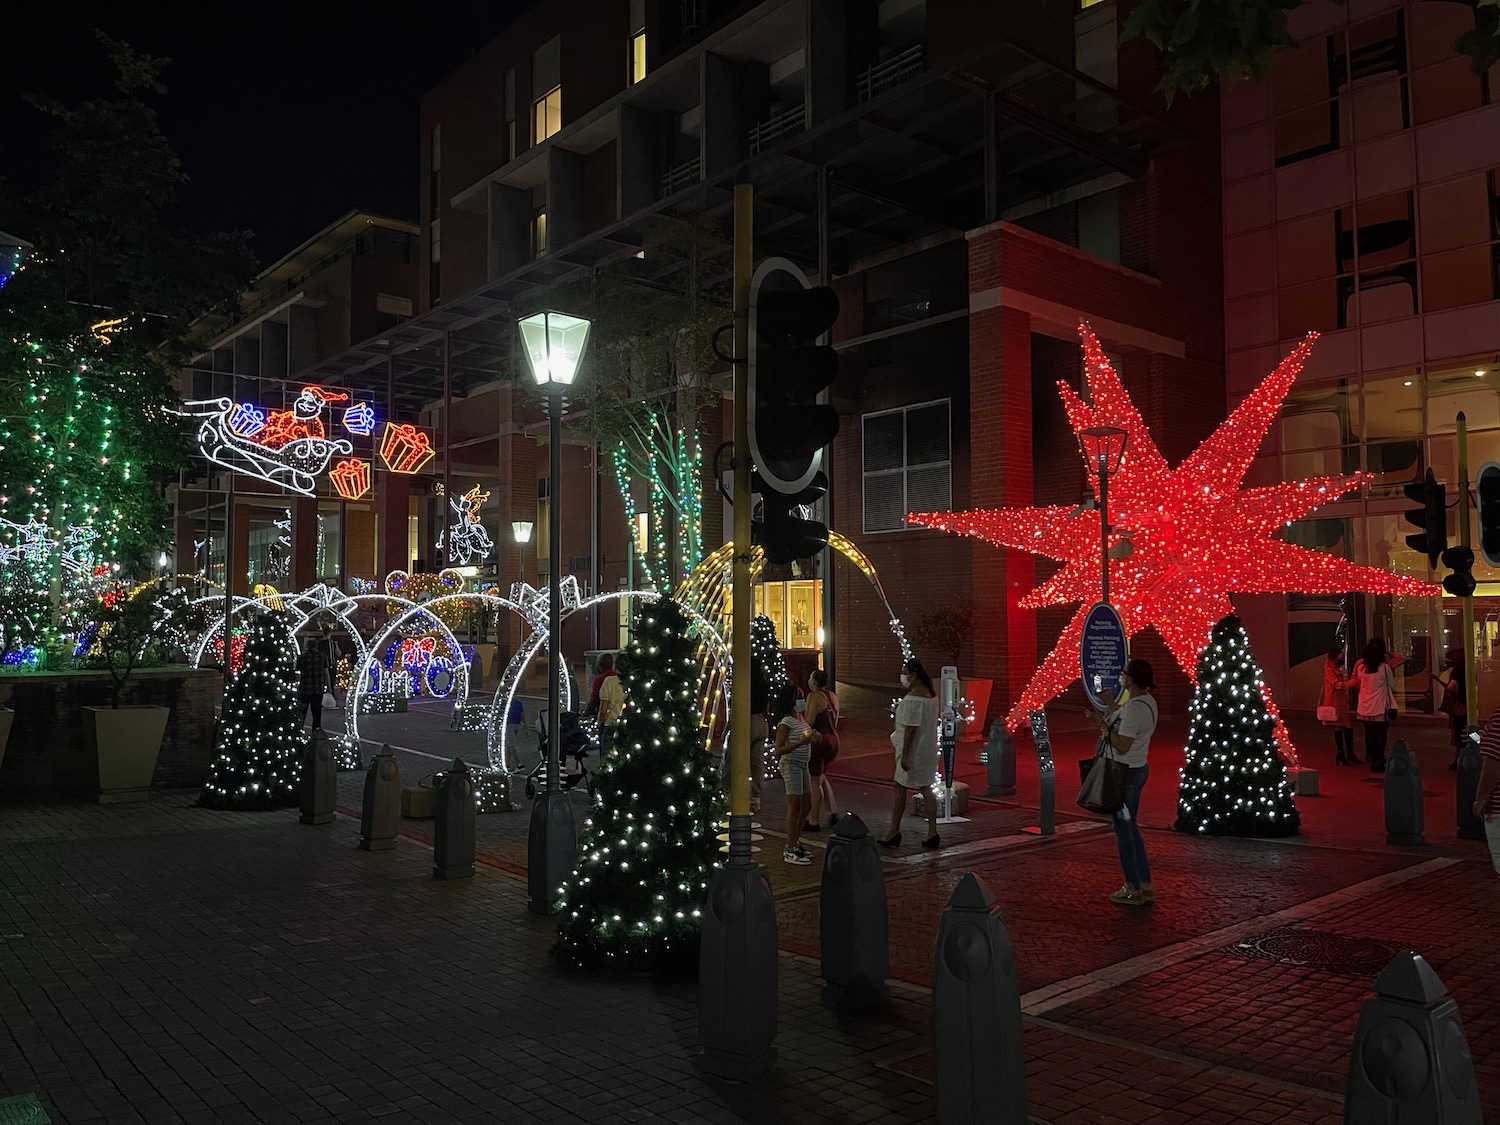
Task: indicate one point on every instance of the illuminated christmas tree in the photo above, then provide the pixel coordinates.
(259, 737)
(634, 901)
(768, 675)
(1234, 781)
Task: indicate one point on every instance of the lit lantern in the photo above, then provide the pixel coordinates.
(404, 448)
(351, 478)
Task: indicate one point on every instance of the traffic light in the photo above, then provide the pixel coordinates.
(1431, 517)
(1487, 489)
(788, 369)
(1460, 560)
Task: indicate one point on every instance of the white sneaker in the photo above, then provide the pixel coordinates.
(800, 856)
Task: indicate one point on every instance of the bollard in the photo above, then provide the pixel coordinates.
(978, 1066)
(1470, 827)
(1000, 761)
(453, 830)
(1411, 1064)
(853, 923)
(382, 806)
(1403, 798)
(318, 787)
(1046, 775)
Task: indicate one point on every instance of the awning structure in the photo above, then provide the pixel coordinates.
(1001, 134)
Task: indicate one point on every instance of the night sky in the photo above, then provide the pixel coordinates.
(285, 116)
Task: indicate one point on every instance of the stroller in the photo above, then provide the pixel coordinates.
(573, 748)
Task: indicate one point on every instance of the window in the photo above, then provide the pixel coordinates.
(510, 115)
(435, 172)
(435, 268)
(539, 234)
(636, 64)
(907, 465)
(547, 115)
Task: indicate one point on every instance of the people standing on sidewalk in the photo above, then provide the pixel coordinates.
(1127, 728)
(1487, 791)
(1377, 701)
(793, 750)
(313, 678)
(1334, 710)
(607, 698)
(915, 743)
(1455, 700)
(822, 715)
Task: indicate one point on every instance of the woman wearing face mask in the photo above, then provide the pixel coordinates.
(793, 741)
(915, 742)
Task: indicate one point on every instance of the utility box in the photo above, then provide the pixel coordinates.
(419, 802)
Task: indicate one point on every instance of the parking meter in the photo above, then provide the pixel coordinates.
(948, 704)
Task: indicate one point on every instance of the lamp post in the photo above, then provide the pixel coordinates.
(554, 344)
(1104, 447)
(521, 530)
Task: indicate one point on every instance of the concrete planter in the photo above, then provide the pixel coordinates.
(6, 717)
(118, 757)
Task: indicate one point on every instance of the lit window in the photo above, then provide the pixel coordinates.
(547, 114)
(539, 234)
(1088, 3)
(637, 56)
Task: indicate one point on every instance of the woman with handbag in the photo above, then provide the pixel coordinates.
(1334, 710)
(1125, 735)
(1377, 701)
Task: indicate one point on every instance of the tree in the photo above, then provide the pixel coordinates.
(945, 628)
(1234, 781)
(259, 738)
(92, 330)
(1204, 40)
(633, 902)
(124, 632)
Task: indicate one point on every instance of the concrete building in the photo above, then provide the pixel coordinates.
(1361, 201)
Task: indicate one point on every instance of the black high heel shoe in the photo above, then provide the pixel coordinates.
(933, 842)
(893, 842)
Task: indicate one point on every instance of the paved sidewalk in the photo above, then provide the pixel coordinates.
(163, 963)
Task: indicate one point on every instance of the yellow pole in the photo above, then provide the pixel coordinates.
(739, 705)
(1471, 689)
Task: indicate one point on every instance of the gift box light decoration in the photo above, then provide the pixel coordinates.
(351, 478)
(246, 420)
(359, 419)
(404, 448)
(1196, 535)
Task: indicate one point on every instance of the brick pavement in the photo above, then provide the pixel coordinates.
(166, 963)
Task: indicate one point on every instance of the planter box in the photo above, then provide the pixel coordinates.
(119, 752)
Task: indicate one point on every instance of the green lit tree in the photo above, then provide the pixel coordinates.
(259, 738)
(1234, 781)
(634, 901)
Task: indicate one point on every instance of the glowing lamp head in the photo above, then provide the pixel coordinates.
(521, 529)
(1104, 446)
(554, 345)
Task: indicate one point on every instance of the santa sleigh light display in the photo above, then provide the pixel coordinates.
(286, 447)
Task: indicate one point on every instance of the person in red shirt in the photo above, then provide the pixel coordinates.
(1487, 792)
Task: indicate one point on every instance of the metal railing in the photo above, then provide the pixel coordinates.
(684, 175)
(883, 76)
(774, 129)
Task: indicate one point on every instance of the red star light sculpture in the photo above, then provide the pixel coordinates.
(1195, 535)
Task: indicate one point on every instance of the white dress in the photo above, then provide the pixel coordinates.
(920, 712)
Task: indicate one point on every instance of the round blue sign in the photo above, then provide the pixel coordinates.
(1102, 652)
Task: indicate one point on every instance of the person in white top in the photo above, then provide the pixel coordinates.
(1128, 728)
(1377, 701)
(915, 743)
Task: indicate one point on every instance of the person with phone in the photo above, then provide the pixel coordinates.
(1127, 728)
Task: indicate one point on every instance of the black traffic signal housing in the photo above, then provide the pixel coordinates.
(1460, 560)
(1487, 491)
(789, 428)
(1431, 517)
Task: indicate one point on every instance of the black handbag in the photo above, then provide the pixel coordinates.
(1103, 789)
(1390, 714)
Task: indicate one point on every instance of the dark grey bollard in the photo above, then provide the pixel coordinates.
(319, 785)
(853, 923)
(1411, 1064)
(382, 805)
(978, 1066)
(453, 829)
(1046, 776)
(1000, 762)
(1403, 798)
(1470, 827)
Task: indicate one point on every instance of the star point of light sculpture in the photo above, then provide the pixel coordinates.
(1195, 534)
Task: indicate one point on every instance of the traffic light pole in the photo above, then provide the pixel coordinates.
(1471, 689)
(737, 967)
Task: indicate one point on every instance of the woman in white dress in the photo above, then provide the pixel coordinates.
(915, 743)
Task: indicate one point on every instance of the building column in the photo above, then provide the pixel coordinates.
(304, 542)
(392, 505)
(238, 578)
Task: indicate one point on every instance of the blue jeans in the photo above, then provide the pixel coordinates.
(1128, 831)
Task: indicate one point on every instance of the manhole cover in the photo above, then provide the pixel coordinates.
(24, 1110)
(1318, 949)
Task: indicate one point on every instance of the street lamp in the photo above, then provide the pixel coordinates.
(521, 529)
(1104, 448)
(554, 344)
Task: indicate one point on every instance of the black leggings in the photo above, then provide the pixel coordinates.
(316, 703)
(1343, 742)
(1375, 735)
